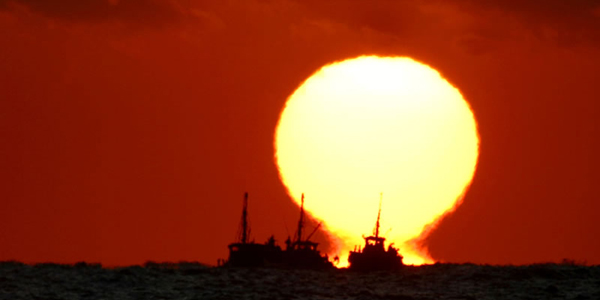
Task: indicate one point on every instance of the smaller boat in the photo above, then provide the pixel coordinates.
(374, 256)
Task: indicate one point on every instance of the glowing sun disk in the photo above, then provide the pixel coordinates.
(377, 124)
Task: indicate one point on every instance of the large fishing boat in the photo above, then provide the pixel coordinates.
(300, 253)
(374, 256)
(246, 253)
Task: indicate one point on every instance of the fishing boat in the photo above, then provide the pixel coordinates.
(246, 253)
(373, 256)
(302, 253)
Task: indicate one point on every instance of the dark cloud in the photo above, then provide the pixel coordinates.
(134, 11)
(551, 9)
(475, 26)
(564, 22)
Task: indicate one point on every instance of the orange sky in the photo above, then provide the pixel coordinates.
(130, 129)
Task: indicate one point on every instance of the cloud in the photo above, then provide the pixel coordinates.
(475, 26)
(549, 10)
(147, 12)
(566, 23)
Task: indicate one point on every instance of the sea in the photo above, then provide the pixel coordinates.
(189, 280)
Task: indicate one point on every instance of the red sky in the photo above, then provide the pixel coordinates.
(131, 129)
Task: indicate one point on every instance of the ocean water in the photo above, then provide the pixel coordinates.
(196, 281)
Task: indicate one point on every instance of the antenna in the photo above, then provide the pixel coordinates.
(301, 221)
(245, 228)
(378, 216)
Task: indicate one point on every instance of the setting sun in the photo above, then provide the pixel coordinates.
(372, 125)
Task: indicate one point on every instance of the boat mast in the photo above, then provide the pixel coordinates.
(301, 221)
(378, 215)
(245, 230)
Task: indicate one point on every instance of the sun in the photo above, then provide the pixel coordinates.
(372, 125)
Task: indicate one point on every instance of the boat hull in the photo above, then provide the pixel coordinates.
(253, 255)
(374, 261)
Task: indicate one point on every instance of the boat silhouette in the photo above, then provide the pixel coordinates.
(303, 253)
(300, 253)
(246, 253)
(374, 257)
